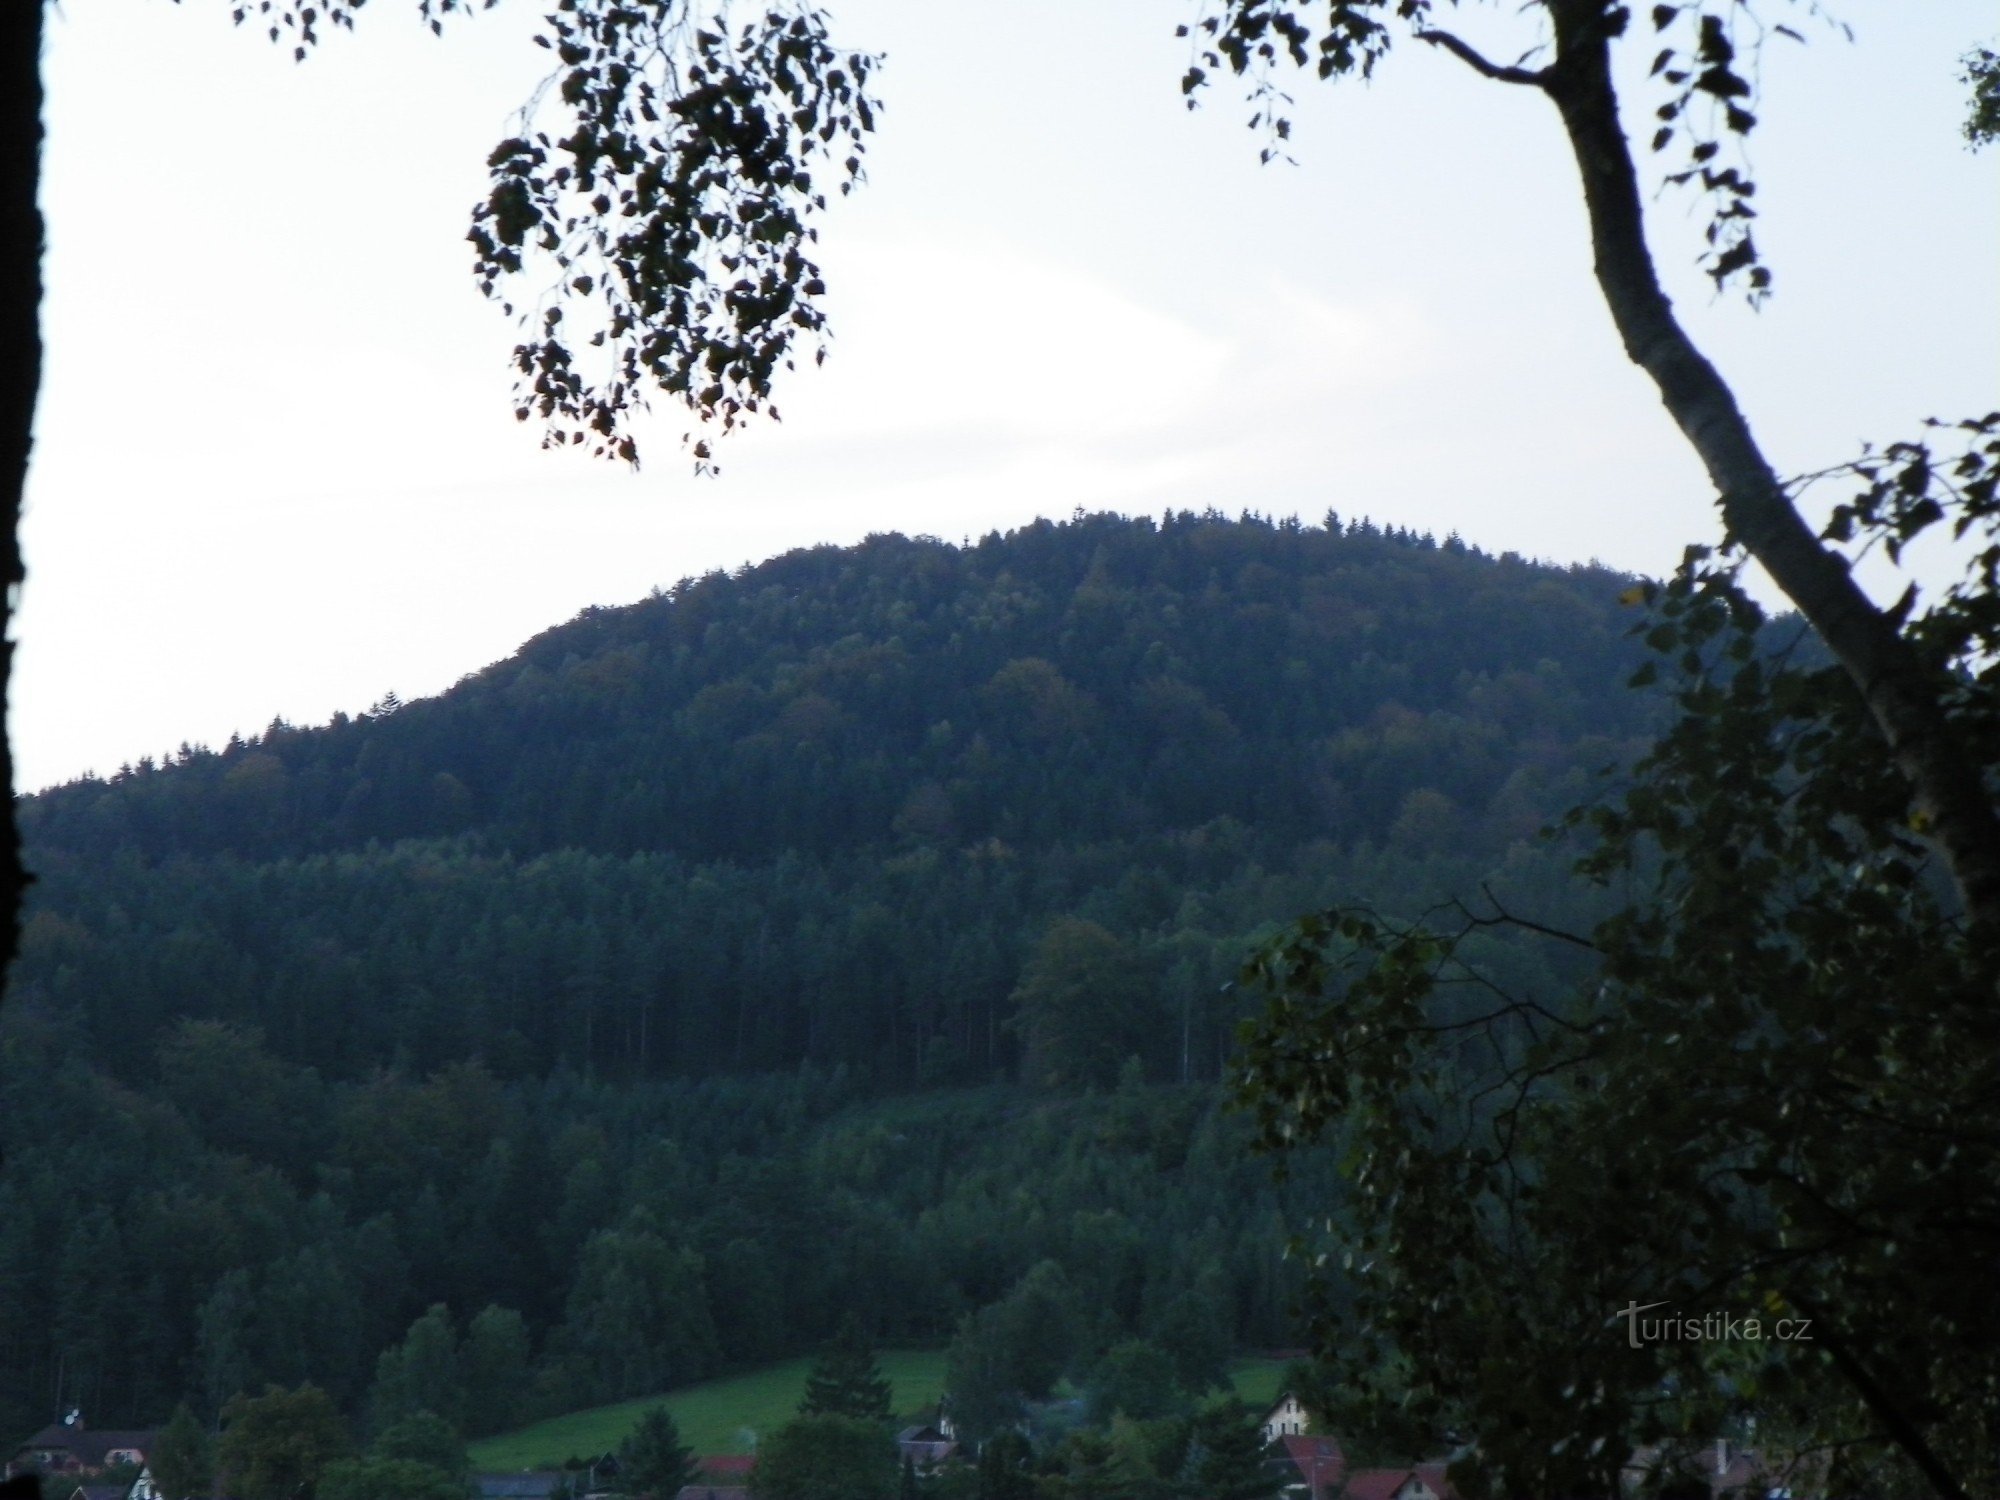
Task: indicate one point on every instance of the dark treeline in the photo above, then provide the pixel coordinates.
(586, 990)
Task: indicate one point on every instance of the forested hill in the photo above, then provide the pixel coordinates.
(578, 1000)
(821, 809)
(1108, 678)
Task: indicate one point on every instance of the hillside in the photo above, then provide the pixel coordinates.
(848, 932)
(815, 810)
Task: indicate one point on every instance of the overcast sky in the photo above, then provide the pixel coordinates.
(276, 470)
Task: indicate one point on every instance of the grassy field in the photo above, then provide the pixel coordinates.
(717, 1416)
(1256, 1380)
(724, 1416)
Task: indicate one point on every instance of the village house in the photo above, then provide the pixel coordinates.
(1286, 1418)
(928, 1445)
(70, 1447)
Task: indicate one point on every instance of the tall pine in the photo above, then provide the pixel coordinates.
(653, 1460)
(845, 1380)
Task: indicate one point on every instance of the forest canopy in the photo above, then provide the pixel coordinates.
(609, 966)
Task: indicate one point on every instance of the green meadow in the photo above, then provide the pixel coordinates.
(726, 1415)
(715, 1416)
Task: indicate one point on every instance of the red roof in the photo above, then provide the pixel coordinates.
(722, 1465)
(1319, 1460)
(1382, 1484)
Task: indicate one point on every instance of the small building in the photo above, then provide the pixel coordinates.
(71, 1447)
(926, 1446)
(1287, 1418)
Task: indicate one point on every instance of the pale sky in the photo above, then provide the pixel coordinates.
(277, 472)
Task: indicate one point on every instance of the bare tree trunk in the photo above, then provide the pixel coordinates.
(20, 372)
(1903, 695)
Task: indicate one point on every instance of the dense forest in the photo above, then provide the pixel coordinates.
(851, 932)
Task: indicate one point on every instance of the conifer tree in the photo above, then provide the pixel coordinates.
(653, 1458)
(845, 1380)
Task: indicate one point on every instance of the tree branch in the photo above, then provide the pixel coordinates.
(1531, 77)
(1875, 1395)
(1904, 694)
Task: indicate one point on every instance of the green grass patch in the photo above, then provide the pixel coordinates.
(1257, 1380)
(716, 1416)
(726, 1415)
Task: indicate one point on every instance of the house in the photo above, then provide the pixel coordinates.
(728, 1470)
(1287, 1418)
(1309, 1468)
(926, 1446)
(1420, 1482)
(71, 1447)
(601, 1478)
(713, 1492)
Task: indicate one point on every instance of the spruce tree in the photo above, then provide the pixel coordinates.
(845, 1380)
(653, 1460)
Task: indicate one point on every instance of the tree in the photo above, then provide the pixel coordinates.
(1766, 1107)
(637, 1318)
(419, 1375)
(1725, 1109)
(424, 1438)
(1006, 1467)
(845, 1380)
(494, 1363)
(1082, 1006)
(275, 1446)
(182, 1458)
(20, 375)
(1706, 77)
(825, 1458)
(1014, 1349)
(1225, 1454)
(653, 1460)
(1138, 1380)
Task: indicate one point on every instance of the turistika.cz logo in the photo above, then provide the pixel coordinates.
(1714, 1327)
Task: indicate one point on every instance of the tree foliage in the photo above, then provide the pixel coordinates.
(276, 1446)
(1982, 78)
(670, 195)
(183, 1457)
(1772, 1100)
(845, 1380)
(825, 1458)
(335, 1069)
(1770, 1095)
(652, 1460)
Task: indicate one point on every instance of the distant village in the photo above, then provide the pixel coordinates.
(78, 1462)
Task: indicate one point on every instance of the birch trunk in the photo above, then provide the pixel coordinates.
(1903, 695)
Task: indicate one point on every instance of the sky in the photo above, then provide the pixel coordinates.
(277, 474)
